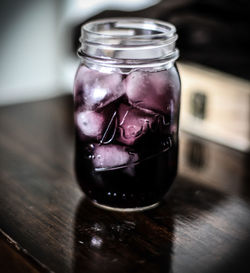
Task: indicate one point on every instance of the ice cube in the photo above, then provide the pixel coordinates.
(100, 125)
(90, 123)
(109, 156)
(133, 123)
(94, 89)
(152, 90)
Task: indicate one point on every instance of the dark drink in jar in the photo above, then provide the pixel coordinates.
(127, 97)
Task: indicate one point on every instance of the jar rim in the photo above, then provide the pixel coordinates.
(165, 29)
(128, 42)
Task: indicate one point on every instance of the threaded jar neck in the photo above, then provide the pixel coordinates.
(128, 42)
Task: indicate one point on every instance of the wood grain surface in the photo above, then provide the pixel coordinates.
(47, 225)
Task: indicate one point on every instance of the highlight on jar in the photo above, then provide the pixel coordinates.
(126, 112)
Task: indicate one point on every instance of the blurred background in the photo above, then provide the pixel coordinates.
(39, 40)
(209, 227)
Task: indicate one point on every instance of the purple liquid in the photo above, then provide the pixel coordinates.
(139, 185)
(126, 140)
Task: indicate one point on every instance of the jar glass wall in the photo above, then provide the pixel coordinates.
(127, 99)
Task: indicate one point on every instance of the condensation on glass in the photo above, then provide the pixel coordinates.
(126, 99)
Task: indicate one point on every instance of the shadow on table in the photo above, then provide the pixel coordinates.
(107, 241)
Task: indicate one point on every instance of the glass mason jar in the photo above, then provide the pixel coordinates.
(127, 100)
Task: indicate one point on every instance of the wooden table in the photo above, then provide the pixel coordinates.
(46, 224)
